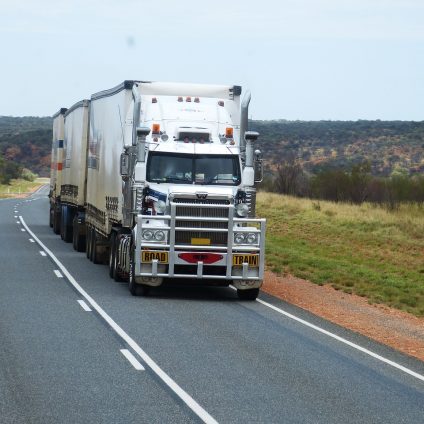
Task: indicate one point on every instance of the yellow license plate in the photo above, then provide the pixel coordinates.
(149, 255)
(252, 260)
(201, 241)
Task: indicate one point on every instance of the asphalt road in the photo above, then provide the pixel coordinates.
(196, 354)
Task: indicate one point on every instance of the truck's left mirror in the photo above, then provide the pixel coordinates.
(125, 165)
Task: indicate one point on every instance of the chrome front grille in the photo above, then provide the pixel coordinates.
(216, 208)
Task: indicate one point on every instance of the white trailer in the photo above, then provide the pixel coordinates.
(56, 169)
(74, 174)
(170, 186)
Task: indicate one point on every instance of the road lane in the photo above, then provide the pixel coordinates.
(58, 363)
(242, 361)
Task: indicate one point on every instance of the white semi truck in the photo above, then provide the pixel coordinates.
(158, 180)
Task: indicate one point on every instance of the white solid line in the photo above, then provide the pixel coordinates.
(132, 359)
(342, 340)
(43, 253)
(32, 240)
(58, 274)
(182, 394)
(83, 304)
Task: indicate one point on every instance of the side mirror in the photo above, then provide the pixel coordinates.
(258, 166)
(125, 165)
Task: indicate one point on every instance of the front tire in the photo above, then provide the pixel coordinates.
(249, 294)
(134, 288)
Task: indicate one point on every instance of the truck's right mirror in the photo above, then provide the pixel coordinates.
(258, 167)
(125, 165)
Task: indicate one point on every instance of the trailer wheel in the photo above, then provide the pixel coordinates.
(95, 256)
(51, 213)
(112, 255)
(134, 288)
(249, 294)
(66, 230)
(88, 249)
(56, 220)
(78, 240)
(117, 272)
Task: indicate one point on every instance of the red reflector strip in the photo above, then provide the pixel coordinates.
(59, 166)
(206, 258)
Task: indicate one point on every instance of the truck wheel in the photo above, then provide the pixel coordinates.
(95, 257)
(78, 240)
(66, 226)
(112, 255)
(88, 249)
(51, 213)
(249, 294)
(134, 288)
(56, 221)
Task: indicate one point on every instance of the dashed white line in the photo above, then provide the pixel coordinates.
(83, 304)
(32, 240)
(42, 253)
(131, 358)
(16, 216)
(58, 274)
(23, 229)
(181, 393)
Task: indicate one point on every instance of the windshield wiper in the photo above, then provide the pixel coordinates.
(174, 178)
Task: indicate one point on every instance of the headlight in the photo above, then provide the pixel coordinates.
(242, 209)
(159, 236)
(245, 238)
(239, 238)
(160, 206)
(147, 234)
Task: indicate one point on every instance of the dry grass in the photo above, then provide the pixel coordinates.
(364, 249)
(20, 188)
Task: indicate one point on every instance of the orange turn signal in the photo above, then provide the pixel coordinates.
(155, 128)
(229, 132)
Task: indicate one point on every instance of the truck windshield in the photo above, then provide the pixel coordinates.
(193, 169)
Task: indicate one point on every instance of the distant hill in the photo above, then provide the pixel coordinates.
(387, 145)
(27, 141)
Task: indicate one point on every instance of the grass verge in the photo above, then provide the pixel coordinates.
(364, 249)
(21, 188)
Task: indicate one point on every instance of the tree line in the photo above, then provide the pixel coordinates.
(355, 185)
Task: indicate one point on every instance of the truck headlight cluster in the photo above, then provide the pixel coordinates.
(242, 210)
(160, 206)
(138, 199)
(246, 238)
(153, 235)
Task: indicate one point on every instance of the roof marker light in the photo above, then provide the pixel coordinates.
(221, 103)
(196, 100)
(188, 99)
(229, 132)
(154, 100)
(180, 99)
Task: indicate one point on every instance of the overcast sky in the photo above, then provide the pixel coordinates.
(301, 59)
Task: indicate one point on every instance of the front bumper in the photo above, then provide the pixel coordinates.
(244, 275)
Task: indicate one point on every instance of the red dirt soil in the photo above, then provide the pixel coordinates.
(394, 328)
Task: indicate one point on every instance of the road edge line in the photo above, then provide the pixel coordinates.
(181, 393)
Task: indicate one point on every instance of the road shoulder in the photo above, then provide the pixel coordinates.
(394, 328)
